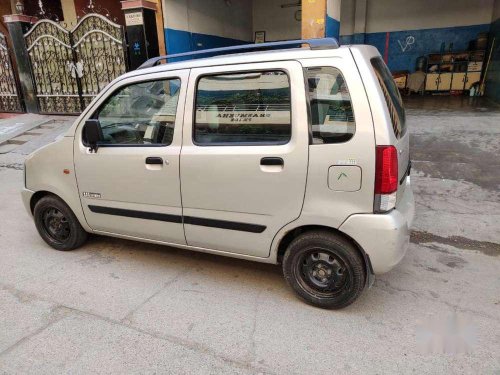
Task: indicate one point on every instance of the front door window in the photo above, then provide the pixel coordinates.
(141, 114)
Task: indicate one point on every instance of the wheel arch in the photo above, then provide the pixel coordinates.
(35, 198)
(295, 232)
(39, 194)
(67, 232)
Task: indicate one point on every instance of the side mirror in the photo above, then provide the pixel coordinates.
(92, 134)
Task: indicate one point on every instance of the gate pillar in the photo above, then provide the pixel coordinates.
(18, 25)
(142, 37)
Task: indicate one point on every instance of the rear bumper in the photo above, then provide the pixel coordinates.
(26, 196)
(384, 237)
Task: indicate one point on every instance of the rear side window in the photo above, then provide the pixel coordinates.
(140, 114)
(251, 108)
(391, 95)
(332, 117)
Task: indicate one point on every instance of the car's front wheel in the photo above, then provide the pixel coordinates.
(57, 224)
(324, 269)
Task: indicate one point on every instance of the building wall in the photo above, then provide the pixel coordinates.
(348, 12)
(278, 23)
(69, 11)
(113, 7)
(333, 14)
(493, 74)
(5, 9)
(416, 27)
(200, 24)
(393, 15)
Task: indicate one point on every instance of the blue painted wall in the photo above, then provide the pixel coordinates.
(492, 87)
(353, 39)
(332, 28)
(178, 41)
(406, 46)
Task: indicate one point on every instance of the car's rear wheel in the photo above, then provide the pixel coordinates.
(57, 224)
(324, 269)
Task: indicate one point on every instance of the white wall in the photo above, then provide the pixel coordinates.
(236, 19)
(230, 19)
(397, 15)
(333, 9)
(175, 14)
(393, 15)
(278, 23)
(347, 14)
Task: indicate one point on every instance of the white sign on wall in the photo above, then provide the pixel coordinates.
(132, 19)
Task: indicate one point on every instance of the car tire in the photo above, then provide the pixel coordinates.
(324, 269)
(57, 224)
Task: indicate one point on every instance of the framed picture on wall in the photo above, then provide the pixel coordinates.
(260, 37)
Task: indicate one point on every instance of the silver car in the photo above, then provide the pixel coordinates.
(295, 156)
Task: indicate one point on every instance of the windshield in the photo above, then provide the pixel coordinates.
(391, 95)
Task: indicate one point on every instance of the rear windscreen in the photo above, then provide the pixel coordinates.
(391, 95)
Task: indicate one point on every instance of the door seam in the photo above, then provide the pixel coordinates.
(180, 154)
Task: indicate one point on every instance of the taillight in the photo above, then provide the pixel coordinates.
(386, 178)
(386, 170)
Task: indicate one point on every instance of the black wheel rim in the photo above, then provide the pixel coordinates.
(55, 225)
(324, 273)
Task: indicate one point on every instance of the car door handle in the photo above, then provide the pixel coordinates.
(154, 160)
(272, 161)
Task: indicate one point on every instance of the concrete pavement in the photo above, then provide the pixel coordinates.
(25, 133)
(117, 306)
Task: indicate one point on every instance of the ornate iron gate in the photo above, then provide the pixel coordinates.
(71, 67)
(9, 94)
(51, 57)
(99, 46)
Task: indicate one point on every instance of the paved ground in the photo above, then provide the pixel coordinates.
(120, 306)
(24, 133)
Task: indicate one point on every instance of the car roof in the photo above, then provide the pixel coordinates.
(248, 57)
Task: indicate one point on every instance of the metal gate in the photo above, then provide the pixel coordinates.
(71, 67)
(9, 94)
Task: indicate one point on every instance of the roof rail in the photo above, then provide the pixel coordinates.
(323, 43)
